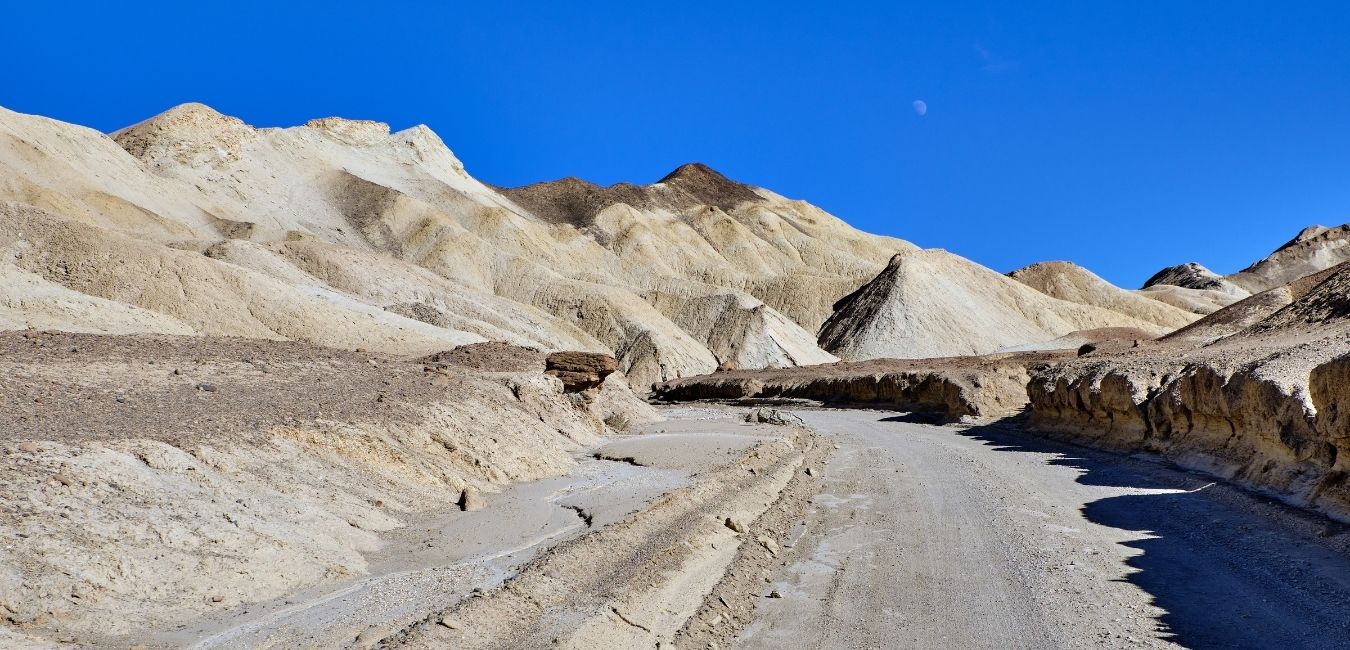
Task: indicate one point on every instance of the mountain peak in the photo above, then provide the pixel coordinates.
(184, 132)
(1306, 234)
(693, 171)
(707, 186)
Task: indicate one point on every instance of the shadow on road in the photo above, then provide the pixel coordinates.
(1227, 575)
(917, 417)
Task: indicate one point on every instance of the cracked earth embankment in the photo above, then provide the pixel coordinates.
(657, 576)
(1278, 421)
(948, 389)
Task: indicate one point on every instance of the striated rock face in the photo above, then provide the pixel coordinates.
(1249, 423)
(580, 370)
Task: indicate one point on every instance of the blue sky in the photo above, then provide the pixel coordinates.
(1124, 136)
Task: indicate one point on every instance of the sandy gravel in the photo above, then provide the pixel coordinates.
(939, 537)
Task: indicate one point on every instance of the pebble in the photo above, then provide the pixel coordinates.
(30, 447)
(206, 388)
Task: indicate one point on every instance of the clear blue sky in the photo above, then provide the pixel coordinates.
(1122, 135)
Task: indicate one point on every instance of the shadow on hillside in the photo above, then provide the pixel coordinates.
(1226, 577)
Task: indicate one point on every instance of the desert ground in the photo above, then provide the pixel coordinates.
(319, 387)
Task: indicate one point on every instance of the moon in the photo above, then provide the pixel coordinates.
(920, 107)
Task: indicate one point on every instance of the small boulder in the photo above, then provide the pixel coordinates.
(773, 416)
(580, 370)
(471, 499)
(735, 525)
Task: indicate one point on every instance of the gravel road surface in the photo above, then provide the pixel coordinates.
(946, 537)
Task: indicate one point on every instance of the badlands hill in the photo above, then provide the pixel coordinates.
(932, 303)
(343, 233)
(1068, 281)
(1192, 286)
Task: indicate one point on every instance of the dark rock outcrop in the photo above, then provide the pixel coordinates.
(580, 370)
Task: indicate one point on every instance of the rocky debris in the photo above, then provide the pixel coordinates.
(471, 499)
(773, 416)
(492, 356)
(580, 370)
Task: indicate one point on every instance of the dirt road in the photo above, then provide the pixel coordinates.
(937, 537)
